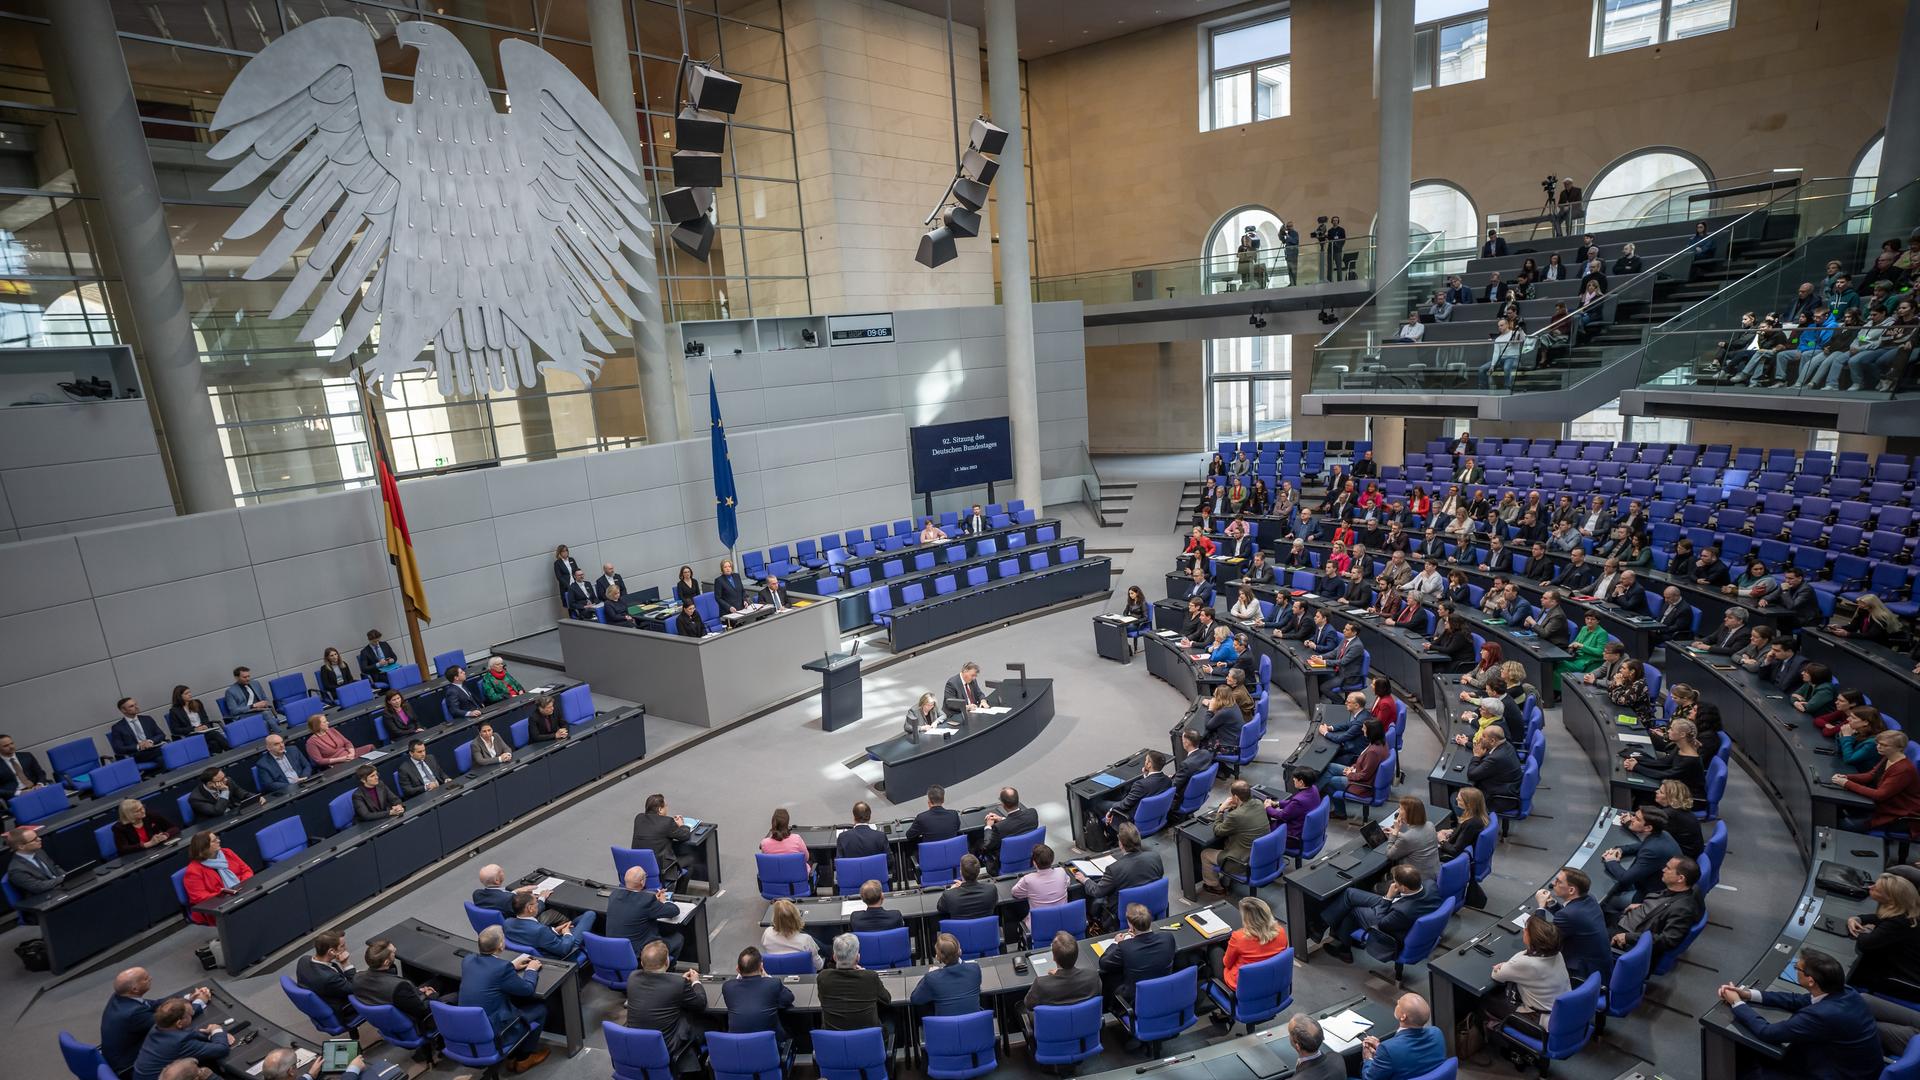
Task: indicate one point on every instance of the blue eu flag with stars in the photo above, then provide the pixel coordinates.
(726, 513)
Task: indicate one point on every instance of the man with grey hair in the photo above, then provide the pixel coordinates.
(1676, 615)
(1729, 638)
(282, 1064)
(851, 997)
(1309, 1046)
(509, 993)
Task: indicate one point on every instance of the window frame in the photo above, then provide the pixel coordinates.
(1211, 74)
(1595, 47)
(1433, 30)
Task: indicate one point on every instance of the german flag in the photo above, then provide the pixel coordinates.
(399, 541)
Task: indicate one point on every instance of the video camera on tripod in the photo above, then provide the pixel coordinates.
(1319, 233)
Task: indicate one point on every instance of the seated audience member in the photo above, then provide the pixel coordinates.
(642, 915)
(281, 765)
(217, 794)
(186, 717)
(373, 800)
(173, 1038)
(545, 724)
(1259, 937)
(128, 1017)
(418, 772)
(134, 735)
(1887, 939)
(495, 896)
(460, 698)
(970, 897)
(1829, 1030)
(1138, 953)
(1359, 779)
(1667, 913)
(508, 992)
(689, 623)
(1684, 762)
(138, 829)
(496, 684)
(326, 747)
(244, 699)
(931, 533)
(1386, 919)
(665, 833)
(1007, 818)
(773, 594)
(1677, 800)
(1416, 1048)
(609, 579)
(1892, 784)
(1134, 866)
(20, 771)
(1043, 886)
(380, 983)
(1577, 918)
(395, 717)
(788, 934)
(488, 748)
(1637, 869)
(875, 916)
(1537, 974)
(614, 609)
(861, 838)
(953, 987)
(211, 871)
(671, 1004)
(1291, 813)
(333, 674)
(529, 934)
(1066, 984)
(781, 840)
(1122, 801)
(32, 871)
(936, 822)
(851, 997)
(685, 587)
(755, 1000)
(1237, 823)
(1856, 738)
(377, 659)
(329, 973)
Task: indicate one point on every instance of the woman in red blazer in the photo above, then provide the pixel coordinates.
(212, 870)
(1893, 785)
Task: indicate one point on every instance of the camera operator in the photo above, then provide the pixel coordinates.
(1570, 209)
(1336, 244)
(1290, 243)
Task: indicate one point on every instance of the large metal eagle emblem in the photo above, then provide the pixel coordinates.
(491, 236)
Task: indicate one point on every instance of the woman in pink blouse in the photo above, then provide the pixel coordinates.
(1043, 886)
(781, 841)
(328, 747)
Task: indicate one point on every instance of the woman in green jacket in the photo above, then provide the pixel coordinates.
(496, 684)
(1588, 647)
(1814, 695)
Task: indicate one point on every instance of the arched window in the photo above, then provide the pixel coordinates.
(1224, 271)
(1866, 174)
(1437, 206)
(1647, 186)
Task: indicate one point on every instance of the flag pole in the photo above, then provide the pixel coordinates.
(382, 451)
(733, 549)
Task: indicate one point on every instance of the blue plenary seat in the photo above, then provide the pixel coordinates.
(73, 763)
(850, 1055)
(978, 938)
(1152, 895)
(470, 1038)
(111, 777)
(783, 875)
(1066, 1034)
(959, 1047)
(940, 860)
(1265, 991)
(884, 949)
(183, 752)
(1162, 1008)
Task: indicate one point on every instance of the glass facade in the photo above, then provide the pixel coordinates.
(1251, 72)
(1449, 42)
(1631, 24)
(1249, 388)
(290, 421)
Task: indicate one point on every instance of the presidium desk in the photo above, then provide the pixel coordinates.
(710, 681)
(945, 755)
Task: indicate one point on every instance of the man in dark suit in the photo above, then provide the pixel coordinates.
(377, 659)
(135, 736)
(1578, 574)
(460, 699)
(328, 973)
(1139, 954)
(1795, 599)
(1495, 247)
(281, 765)
(373, 800)
(1067, 984)
(581, 597)
(1729, 638)
(643, 915)
(381, 984)
(1120, 803)
(975, 522)
(658, 1000)
(32, 871)
(1628, 594)
(1551, 623)
(774, 594)
(1583, 927)
(20, 771)
(173, 1037)
(969, 898)
(964, 692)
(1708, 570)
(728, 590)
(608, 576)
(1386, 919)
(876, 916)
(1636, 868)
(1349, 734)
(128, 1017)
(756, 1001)
(936, 822)
(1676, 615)
(689, 623)
(419, 773)
(1471, 472)
(1198, 587)
(1829, 1034)
(1133, 867)
(1009, 819)
(851, 997)
(507, 991)
(1668, 914)
(495, 896)
(1345, 662)
(1260, 572)
(217, 794)
(1313, 1061)
(862, 839)
(1783, 663)
(663, 832)
(530, 934)
(1196, 761)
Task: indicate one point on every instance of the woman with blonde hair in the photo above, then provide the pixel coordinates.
(1872, 621)
(1677, 800)
(1886, 941)
(1260, 936)
(139, 829)
(788, 934)
(325, 746)
(1684, 763)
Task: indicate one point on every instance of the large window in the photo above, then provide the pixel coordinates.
(1449, 42)
(1605, 424)
(1646, 187)
(1249, 388)
(1226, 271)
(1438, 207)
(1249, 67)
(1866, 174)
(1619, 25)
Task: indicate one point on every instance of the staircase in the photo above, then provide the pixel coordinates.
(1116, 498)
(1183, 514)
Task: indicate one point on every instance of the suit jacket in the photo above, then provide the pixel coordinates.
(327, 982)
(401, 725)
(765, 596)
(1063, 986)
(1667, 915)
(872, 920)
(1800, 604)
(1407, 1053)
(637, 916)
(1018, 822)
(689, 625)
(534, 936)
(1583, 936)
(124, 736)
(1784, 675)
(934, 823)
(1577, 578)
(411, 782)
(388, 988)
(657, 833)
(1834, 1038)
(271, 778)
(1715, 574)
(375, 654)
(1494, 248)
(1143, 956)
(1675, 619)
(859, 842)
(124, 1025)
(163, 1048)
(600, 585)
(1633, 598)
(1239, 828)
(1201, 590)
(10, 785)
(957, 694)
(1190, 766)
(490, 983)
(1326, 1065)
(1345, 660)
(952, 989)
(1140, 788)
(500, 900)
(180, 722)
(238, 698)
(366, 807)
(667, 1003)
(729, 593)
(969, 900)
(754, 1003)
(332, 679)
(581, 597)
(1726, 642)
(850, 999)
(1137, 868)
(461, 700)
(489, 753)
(563, 571)
(1395, 918)
(1636, 874)
(1497, 773)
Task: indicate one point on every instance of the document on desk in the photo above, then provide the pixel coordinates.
(691, 822)
(1093, 867)
(683, 912)
(1344, 1030)
(373, 755)
(1168, 633)
(991, 710)
(1122, 619)
(848, 907)
(1208, 923)
(547, 885)
(1636, 738)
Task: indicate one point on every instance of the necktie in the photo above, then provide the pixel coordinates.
(426, 774)
(18, 773)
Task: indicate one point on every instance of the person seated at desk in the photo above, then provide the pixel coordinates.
(581, 599)
(1887, 939)
(1198, 550)
(975, 522)
(137, 829)
(32, 871)
(1577, 918)
(1196, 759)
(936, 822)
(1629, 691)
(459, 697)
(1815, 693)
(495, 896)
(281, 765)
(729, 592)
(1238, 821)
(1756, 583)
(614, 608)
(953, 987)
(673, 1005)
(380, 983)
(609, 579)
(1066, 984)
(1871, 622)
(1344, 659)
(243, 699)
(217, 794)
(1628, 594)
(1638, 869)
(1729, 638)
(1384, 708)
(851, 997)
(530, 934)
(1677, 800)
(1684, 763)
(1359, 779)
(509, 993)
(931, 533)
(1676, 615)
(377, 659)
(1293, 622)
(1412, 840)
(1857, 740)
(1708, 570)
(418, 773)
(1135, 955)
(1354, 590)
(135, 736)
(1245, 607)
(1260, 571)
(1220, 730)
(665, 833)
(496, 685)
(1259, 937)
(1475, 681)
(373, 800)
(488, 748)
(1758, 648)
(639, 914)
(1198, 587)
(689, 623)
(788, 933)
(774, 595)
(544, 723)
(1291, 813)
(328, 973)
(1537, 973)
(326, 747)
(686, 586)
(1829, 1033)
(1578, 574)
(1495, 768)
(212, 870)
(970, 897)
(1892, 784)
(876, 916)
(861, 838)
(20, 770)
(1193, 628)
(781, 839)
(187, 717)
(756, 1001)
(128, 1017)
(1386, 919)
(173, 1038)
(1612, 656)
(1781, 667)
(1349, 736)
(1589, 647)
(1794, 601)
(1454, 641)
(334, 674)
(1043, 886)
(394, 716)
(1298, 557)
(1836, 714)
(1118, 804)
(963, 692)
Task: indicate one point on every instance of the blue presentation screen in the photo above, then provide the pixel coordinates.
(960, 455)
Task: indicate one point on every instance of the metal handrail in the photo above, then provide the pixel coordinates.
(1374, 297)
(1532, 215)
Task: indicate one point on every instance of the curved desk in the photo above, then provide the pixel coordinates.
(823, 844)
(244, 1060)
(947, 755)
(1172, 664)
(1594, 723)
(1885, 674)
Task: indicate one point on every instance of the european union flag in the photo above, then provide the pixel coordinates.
(726, 513)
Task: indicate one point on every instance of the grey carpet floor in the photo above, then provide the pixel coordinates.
(1103, 712)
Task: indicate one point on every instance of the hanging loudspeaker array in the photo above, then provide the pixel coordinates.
(960, 208)
(700, 140)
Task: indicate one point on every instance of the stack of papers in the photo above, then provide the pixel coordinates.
(848, 907)
(547, 885)
(1633, 737)
(1343, 1031)
(685, 912)
(1166, 633)
(1093, 867)
(1208, 923)
(990, 710)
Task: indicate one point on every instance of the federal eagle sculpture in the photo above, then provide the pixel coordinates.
(491, 236)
